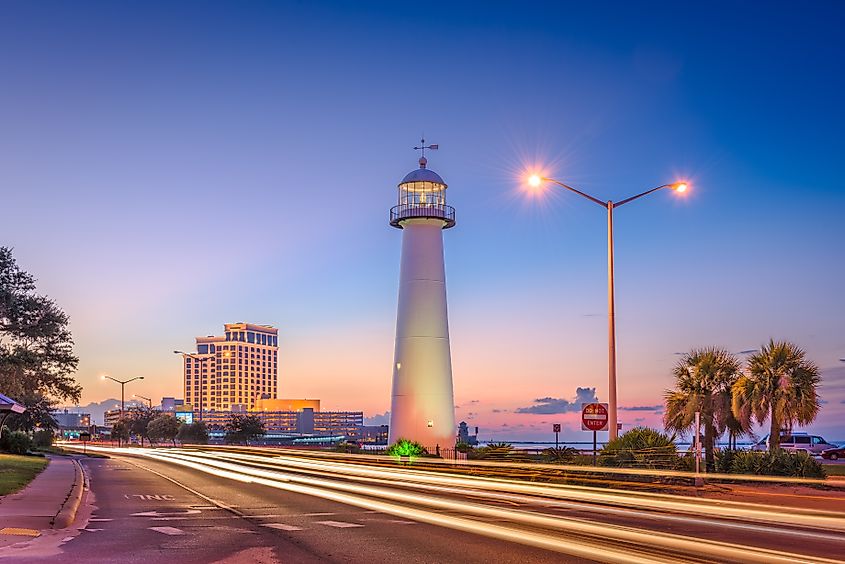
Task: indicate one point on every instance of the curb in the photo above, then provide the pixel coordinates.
(67, 512)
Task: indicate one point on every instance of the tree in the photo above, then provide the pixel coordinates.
(163, 427)
(703, 381)
(120, 431)
(139, 423)
(244, 428)
(195, 433)
(36, 348)
(780, 386)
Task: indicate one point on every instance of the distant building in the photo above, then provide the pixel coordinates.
(376, 434)
(304, 418)
(112, 416)
(172, 404)
(464, 436)
(235, 369)
(71, 424)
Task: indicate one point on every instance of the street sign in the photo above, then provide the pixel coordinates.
(594, 417)
(556, 427)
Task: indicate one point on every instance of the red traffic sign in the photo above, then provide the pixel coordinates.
(594, 417)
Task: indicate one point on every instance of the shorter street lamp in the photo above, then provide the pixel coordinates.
(122, 385)
(144, 398)
(201, 360)
(679, 187)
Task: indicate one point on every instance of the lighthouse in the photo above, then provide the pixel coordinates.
(422, 405)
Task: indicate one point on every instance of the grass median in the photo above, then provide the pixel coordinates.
(17, 471)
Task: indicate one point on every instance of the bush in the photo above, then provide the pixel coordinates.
(562, 455)
(347, 448)
(43, 438)
(779, 463)
(640, 447)
(404, 447)
(724, 461)
(15, 442)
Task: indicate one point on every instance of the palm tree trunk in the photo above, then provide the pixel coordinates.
(774, 432)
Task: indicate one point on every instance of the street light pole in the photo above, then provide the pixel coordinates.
(201, 360)
(150, 401)
(611, 301)
(122, 385)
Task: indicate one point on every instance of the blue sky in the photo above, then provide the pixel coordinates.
(169, 167)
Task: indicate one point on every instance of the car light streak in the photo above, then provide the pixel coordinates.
(666, 544)
(482, 493)
(638, 500)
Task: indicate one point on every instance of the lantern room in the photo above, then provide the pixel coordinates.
(422, 194)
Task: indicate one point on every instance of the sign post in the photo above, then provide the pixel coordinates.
(556, 429)
(84, 436)
(594, 418)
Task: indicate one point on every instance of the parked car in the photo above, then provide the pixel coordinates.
(812, 444)
(834, 453)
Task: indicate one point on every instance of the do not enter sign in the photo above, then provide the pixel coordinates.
(594, 417)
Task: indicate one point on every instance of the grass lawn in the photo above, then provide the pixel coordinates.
(835, 469)
(17, 471)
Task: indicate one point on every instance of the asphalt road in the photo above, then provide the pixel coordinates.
(138, 515)
(254, 506)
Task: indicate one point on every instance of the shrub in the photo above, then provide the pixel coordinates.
(406, 448)
(640, 447)
(464, 447)
(15, 442)
(348, 448)
(562, 455)
(779, 463)
(724, 461)
(43, 438)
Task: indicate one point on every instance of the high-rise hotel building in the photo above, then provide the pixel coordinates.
(231, 372)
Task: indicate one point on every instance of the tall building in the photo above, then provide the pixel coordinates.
(232, 371)
(422, 404)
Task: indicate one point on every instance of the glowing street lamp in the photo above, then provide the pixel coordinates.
(122, 384)
(535, 180)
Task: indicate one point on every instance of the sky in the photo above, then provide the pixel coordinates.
(166, 168)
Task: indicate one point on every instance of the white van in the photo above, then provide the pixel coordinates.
(812, 444)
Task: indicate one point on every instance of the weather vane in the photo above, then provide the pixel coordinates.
(423, 147)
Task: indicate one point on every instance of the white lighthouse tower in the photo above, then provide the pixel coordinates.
(422, 403)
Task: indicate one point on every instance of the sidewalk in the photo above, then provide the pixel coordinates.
(48, 502)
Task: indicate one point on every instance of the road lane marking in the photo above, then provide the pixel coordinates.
(339, 524)
(282, 527)
(167, 530)
(167, 513)
(98, 519)
(19, 531)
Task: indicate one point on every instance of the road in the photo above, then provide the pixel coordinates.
(205, 505)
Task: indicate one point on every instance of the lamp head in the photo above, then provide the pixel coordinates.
(680, 187)
(535, 180)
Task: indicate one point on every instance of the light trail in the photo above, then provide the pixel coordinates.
(583, 537)
(759, 513)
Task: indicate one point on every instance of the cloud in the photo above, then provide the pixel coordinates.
(550, 405)
(657, 408)
(383, 419)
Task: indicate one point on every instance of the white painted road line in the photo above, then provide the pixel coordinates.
(339, 524)
(98, 519)
(282, 527)
(168, 530)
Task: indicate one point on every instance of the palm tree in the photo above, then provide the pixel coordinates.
(703, 381)
(780, 386)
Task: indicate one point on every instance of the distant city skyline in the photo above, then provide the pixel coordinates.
(168, 171)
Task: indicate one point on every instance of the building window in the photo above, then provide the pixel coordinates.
(202, 349)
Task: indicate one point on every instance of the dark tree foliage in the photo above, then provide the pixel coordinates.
(244, 428)
(163, 427)
(139, 422)
(120, 431)
(193, 433)
(36, 349)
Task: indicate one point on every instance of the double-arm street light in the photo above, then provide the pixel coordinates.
(201, 360)
(680, 187)
(122, 385)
